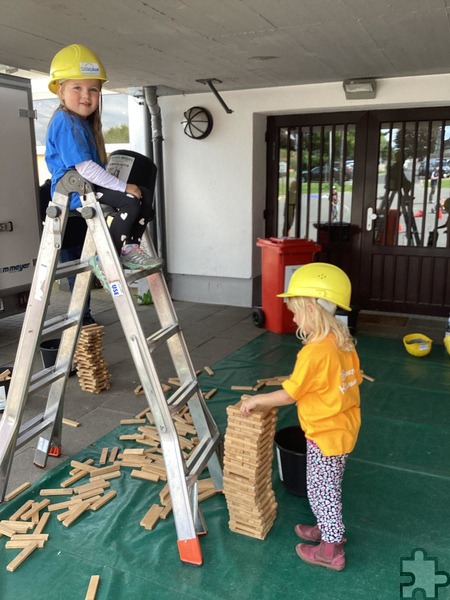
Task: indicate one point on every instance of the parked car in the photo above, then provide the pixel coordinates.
(317, 174)
(435, 162)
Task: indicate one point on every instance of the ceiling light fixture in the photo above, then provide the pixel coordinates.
(360, 89)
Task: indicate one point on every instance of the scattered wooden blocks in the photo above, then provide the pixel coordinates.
(248, 471)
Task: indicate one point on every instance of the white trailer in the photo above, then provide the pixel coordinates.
(20, 224)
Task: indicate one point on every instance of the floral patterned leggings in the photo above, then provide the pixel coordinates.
(324, 485)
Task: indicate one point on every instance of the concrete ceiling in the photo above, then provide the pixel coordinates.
(243, 43)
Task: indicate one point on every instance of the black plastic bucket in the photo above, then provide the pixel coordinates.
(349, 317)
(290, 444)
(49, 351)
(4, 386)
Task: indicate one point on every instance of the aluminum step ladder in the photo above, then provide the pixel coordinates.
(182, 473)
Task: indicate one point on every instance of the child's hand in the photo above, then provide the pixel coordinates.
(248, 404)
(134, 190)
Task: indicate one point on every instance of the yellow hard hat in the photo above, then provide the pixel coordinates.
(75, 62)
(417, 344)
(320, 280)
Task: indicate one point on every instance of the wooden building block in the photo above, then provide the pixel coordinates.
(151, 516)
(42, 523)
(166, 510)
(67, 504)
(76, 513)
(132, 421)
(88, 461)
(103, 456)
(113, 454)
(112, 475)
(56, 492)
(12, 566)
(5, 375)
(7, 530)
(73, 479)
(103, 500)
(91, 485)
(210, 394)
(82, 466)
(17, 491)
(35, 508)
(14, 544)
(104, 470)
(92, 588)
(147, 475)
(19, 512)
(17, 526)
(89, 494)
(70, 423)
(242, 388)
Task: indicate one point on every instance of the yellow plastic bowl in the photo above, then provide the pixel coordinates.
(417, 344)
(446, 341)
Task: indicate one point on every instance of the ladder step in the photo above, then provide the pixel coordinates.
(161, 336)
(199, 457)
(46, 377)
(58, 324)
(71, 268)
(131, 276)
(182, 396)
(32, 428)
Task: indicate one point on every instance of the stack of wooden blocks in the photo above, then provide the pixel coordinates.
(92, 369)
(247, 471)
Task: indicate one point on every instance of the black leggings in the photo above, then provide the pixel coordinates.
(132, 215)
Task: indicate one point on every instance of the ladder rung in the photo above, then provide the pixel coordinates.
(181, 397)
(45, 377)
(59, 324)
(199, 457)
(157, 338)
(71, 268)
(131, 276)
(32, 428)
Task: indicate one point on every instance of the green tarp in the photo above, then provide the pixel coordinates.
(396, 497)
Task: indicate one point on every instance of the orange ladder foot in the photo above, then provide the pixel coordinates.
(190, 551)
(55, 450)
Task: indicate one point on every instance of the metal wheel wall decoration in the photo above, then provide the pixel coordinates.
(198, 123)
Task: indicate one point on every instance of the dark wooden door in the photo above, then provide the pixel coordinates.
(405, 246)
(361, 184)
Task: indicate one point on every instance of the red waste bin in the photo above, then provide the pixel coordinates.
(280, 258)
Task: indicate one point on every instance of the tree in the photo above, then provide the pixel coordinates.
(117, 135)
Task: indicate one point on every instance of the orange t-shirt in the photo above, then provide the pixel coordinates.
(325, 385)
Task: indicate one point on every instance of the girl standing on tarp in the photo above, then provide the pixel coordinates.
(325, 387)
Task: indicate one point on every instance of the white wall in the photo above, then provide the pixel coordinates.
(215, 188)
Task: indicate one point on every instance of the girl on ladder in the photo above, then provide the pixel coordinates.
(75, 141)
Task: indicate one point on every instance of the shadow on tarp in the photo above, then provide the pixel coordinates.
(395, 497)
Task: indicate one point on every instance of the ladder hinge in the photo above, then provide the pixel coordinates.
(28, 113)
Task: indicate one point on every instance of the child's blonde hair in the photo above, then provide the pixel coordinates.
(320, 323)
